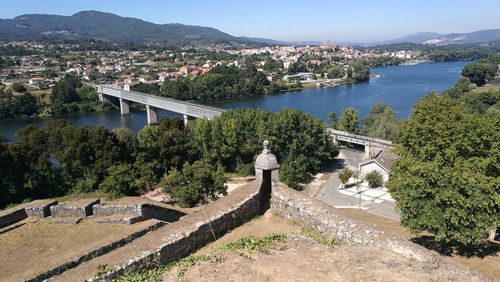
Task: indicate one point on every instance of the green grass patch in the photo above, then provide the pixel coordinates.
(150, 275)
(253, 243)
(324, 240)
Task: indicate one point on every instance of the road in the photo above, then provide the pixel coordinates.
(330, 192)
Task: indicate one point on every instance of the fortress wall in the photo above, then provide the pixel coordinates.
(332, 222)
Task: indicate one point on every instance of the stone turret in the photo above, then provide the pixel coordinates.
(267, 175)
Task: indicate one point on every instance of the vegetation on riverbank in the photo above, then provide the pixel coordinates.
(222, 82)
(68, 96)
(61, 158)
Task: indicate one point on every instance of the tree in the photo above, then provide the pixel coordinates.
(480, 72)
(335, 72)
(345, 175)
(462, 86)
(196, 183)
(297, 67)
(374, 179)
(381, 122)
(120, 181)
(19, 88)
(445, 180)
(360, 71)
(8, 182)
(332, 116)
(349, 120)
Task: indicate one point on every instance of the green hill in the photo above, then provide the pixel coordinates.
(110, 27)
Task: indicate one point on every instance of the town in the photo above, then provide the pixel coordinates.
(38, 65)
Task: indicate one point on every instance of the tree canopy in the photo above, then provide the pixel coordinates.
(446, 179)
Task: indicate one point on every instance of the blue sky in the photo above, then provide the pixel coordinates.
(347, 20)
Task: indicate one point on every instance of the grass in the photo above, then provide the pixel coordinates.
(149, 275)
(324, 240)
(252, 243)
(155, 274)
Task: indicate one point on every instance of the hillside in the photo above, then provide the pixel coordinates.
(110, 27)
(432, 38)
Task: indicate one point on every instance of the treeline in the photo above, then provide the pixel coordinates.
(450, 55)
(22, 105)
(68, 96)
(60, 158)
(482, 71)
(222, 82)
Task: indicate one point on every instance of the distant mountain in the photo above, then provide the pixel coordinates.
(109, 27)
(414, 38)
(432, 38)
(486, 35)
(265, 41)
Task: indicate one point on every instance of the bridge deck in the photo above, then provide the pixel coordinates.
(185, 108)
(358, 139)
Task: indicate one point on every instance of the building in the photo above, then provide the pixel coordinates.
(36, 80)
(381, 163)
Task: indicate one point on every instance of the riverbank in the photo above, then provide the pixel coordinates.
(399, 86)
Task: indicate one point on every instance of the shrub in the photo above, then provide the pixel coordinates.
(196, 183)
(374, 179)
(345, 175)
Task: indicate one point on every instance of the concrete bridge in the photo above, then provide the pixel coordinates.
(368, 143)
(153, 103)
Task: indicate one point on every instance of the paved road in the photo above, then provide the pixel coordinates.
(331, 195)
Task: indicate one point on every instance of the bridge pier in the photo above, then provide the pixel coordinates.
(367, 150)
(124, 107)
(104, 99)
(152, 114)
(185, 117)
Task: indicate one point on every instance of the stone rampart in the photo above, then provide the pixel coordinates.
(197, 229)
(314, 214)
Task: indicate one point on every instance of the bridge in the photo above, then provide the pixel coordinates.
(153, 103)
(368, 143)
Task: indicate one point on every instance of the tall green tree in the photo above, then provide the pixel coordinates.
(196, 183)
(446, 178)
(349, 120)
(381, 122)
(334, 121)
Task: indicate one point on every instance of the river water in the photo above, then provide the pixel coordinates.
(399, 86)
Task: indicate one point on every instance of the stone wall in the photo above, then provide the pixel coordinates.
(194, 231)
(12, 216)
(314, 214)
(40, 208)
(70, 210)
(160, 213)
(108, 210)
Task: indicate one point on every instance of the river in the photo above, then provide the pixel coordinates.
(399, 86)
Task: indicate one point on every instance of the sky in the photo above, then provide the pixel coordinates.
(292, 20)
